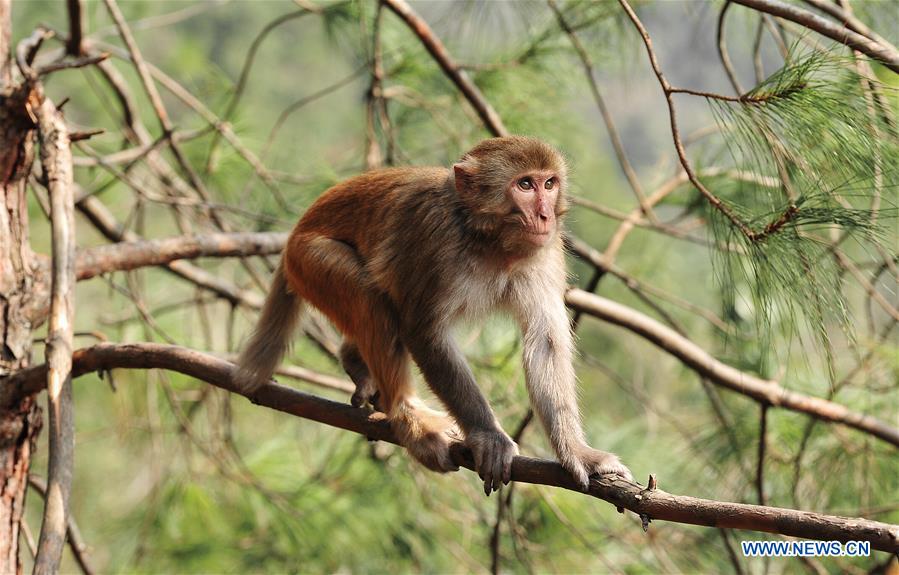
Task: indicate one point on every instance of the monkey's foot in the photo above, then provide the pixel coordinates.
(427, 435)
(586, 461)
(493, 452)
(365, 393)
(432, 449)
(355, 367)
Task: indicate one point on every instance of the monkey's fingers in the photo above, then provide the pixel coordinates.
(506, 450)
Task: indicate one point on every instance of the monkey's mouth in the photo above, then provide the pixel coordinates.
(537, 237)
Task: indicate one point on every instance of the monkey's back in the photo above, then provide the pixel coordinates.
(396, 221)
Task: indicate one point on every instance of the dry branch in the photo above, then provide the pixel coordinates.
(763, 391)
(56, 157)
(668, 91)
(435, 47)
(133, 255)
(73, 533)
(654, 504)
(881, 52)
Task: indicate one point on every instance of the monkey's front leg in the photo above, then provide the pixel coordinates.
(551, 385)
(449, 376)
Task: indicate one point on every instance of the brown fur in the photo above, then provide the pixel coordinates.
(393, 257)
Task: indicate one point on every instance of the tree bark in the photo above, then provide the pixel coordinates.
(19, 423)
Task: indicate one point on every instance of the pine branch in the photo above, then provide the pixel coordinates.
(882, 52)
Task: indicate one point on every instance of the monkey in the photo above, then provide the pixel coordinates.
(395, 257)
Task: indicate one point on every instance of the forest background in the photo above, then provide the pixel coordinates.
(174, 475)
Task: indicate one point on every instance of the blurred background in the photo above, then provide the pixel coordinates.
(173, 475)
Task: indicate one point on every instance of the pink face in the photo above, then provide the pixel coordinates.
(535, 195)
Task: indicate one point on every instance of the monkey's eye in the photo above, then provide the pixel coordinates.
(550, 183)
(526, 184)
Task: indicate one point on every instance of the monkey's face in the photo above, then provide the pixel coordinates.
(534, 196)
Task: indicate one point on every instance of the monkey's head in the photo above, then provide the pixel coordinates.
(514, 188)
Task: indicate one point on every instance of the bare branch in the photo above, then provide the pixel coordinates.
(435, 47)
(667, 89)
(56, 157)
(81, 62)
(648, 503)
(74, 46)
(763, 391)
(73, 534)
(106, 223)
(883, 52)
(141, 66)
(617, 144)
(137, 254)
(845, 16)
(237, 94)
(723, 54)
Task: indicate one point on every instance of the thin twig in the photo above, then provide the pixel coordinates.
(675, 132)
(435, 47)
(73, 534)
(607, 119)
(723, 54)
(234, 100)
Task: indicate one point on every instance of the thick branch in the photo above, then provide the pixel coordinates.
(56, 157)
(851, 22)
(837, 32)
(763, 391)
(100, 216)
(435, 47)
(655, 504)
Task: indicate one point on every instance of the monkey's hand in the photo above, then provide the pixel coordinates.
(493, 453)
(584, 461)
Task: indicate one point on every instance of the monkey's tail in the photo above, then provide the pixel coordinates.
(271, 336)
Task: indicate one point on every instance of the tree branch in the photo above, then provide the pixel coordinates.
(668, 91)
(885, 54)
(763, 391)
(56, 157)
(73, 534)
(76, 27)
(435, 47)
(132, 255)
(648, 503)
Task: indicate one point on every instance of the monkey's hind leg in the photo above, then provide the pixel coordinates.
(355, 367)
(330, 275)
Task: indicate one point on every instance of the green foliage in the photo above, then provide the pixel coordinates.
(823, 162)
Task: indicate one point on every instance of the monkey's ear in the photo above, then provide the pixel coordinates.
(464, 176)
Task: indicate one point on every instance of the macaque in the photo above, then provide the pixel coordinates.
(395, 257)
